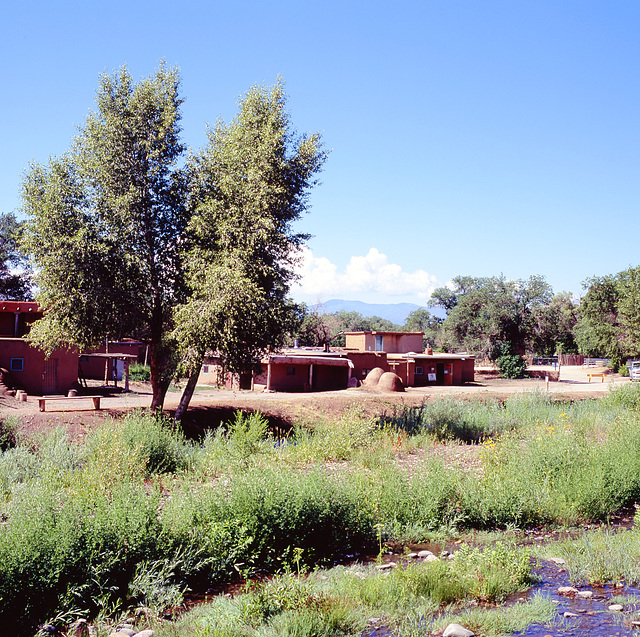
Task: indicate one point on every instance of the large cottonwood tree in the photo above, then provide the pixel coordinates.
(126, 243)
(248, 186)
(105, 221)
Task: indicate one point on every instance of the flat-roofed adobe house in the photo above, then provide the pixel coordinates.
(401, 353)
(420, 370)
(389, 342)
(291, 370)
(29, 367)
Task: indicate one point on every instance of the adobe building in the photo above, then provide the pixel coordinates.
(29, 368)
(389, 342)
(293, 370)
(401, 353)
(420, 370)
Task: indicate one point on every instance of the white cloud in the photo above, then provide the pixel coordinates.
(367, 278)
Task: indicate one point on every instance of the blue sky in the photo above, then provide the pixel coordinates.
(466, 137)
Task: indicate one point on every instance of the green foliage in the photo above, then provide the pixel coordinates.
(452, 419)
(282, 510)
(247, 434)
(623, 370)
(627, 396)
(598, 330)
(15, 277)
(248, 187)
(510, 365)
(342, 600)
(484, 311)
(422, 320)
(8, 433)
(139, 372)
(553, 326)
(158, 445)
(104, 232)
(629, 306)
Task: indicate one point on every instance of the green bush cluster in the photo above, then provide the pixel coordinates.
(341, 601)
(135, 513)
(139, 372)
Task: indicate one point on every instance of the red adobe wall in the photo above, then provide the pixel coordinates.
(39, 375)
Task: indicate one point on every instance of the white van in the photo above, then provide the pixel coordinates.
(634, 369)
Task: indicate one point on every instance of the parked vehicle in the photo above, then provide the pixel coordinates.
(634, 369)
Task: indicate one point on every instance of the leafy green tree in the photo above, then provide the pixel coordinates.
(553, 326)
(598, 331)
(248, 187)
(105, 223)
(629, 309)
(15, 277)
(422, 320)
(485, 312)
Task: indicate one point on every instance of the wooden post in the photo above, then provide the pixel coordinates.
(269, 374)
(126, 374)
(310, 376)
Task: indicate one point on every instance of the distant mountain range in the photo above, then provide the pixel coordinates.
(395, 312)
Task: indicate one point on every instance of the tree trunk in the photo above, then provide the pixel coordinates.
(157, 363)
(187, 394)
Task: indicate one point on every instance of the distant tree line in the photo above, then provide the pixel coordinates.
(493, 317)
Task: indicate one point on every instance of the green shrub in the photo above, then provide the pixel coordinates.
(623, 370)
(512, 366)
(283, 510)
(158, 446)
(139, 372)
(626, 395)
(8, 429)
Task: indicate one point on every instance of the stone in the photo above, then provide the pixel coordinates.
(127, 630)
(557, 560)
(412, 556)
(567, 590)
(146, 633)
(456, 630)
(424, 553)
(431, 558)
(385, 567)
(616, 608)
(585, 594)
(567, 614)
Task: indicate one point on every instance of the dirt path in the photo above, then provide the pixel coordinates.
(211, 406)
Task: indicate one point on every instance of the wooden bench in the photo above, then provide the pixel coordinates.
(95, 400)
(596, 376)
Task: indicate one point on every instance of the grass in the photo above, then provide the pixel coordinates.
(136, 514)
(342, 600)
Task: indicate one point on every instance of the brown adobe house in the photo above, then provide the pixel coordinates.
(401, 353)
(291, 370)
(28, 366)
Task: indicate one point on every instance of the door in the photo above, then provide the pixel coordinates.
(448, 374)
(50, 376)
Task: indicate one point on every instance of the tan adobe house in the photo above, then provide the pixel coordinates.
(401, 353)
(389, 342)
(29, 368)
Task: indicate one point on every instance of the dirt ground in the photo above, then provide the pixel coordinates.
(211, 406)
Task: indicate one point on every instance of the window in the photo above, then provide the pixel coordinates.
(419, 370)
(291, 371)
(205, 369)
(379, 343)
(17, 365)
